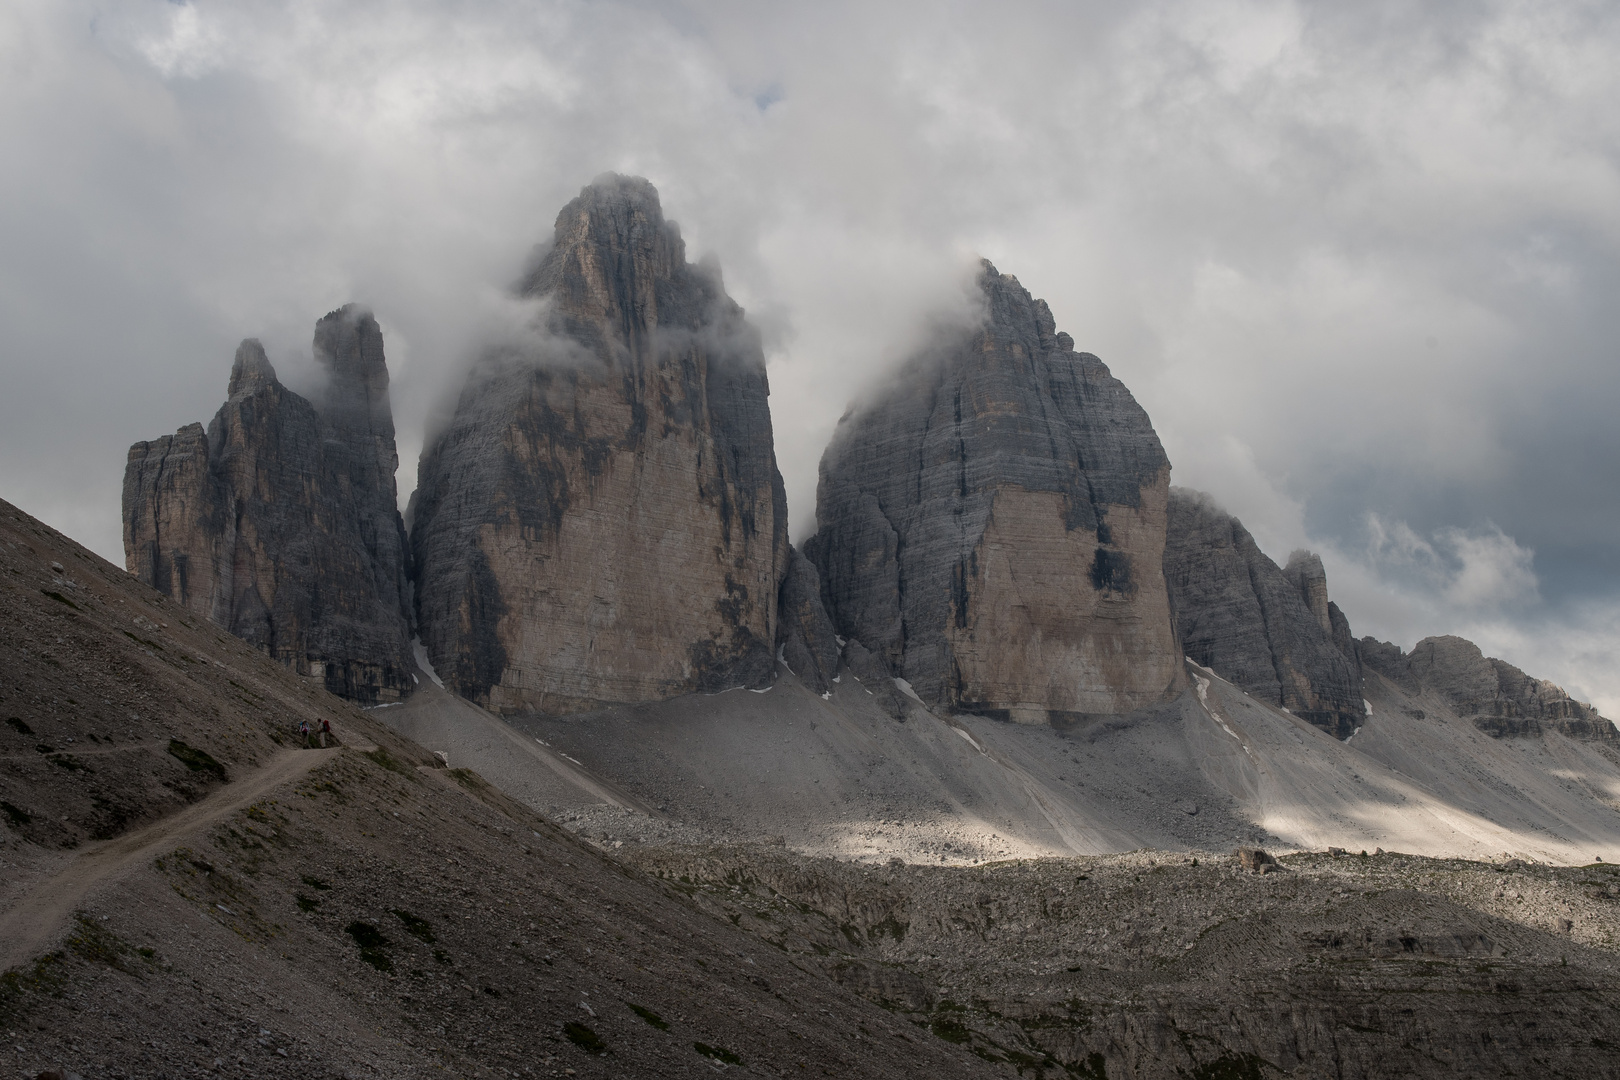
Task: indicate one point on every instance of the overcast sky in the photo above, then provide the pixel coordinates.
(1360, 262)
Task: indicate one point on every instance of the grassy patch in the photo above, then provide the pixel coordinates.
(44, 976)
(648, 1015)
(388, 761)
(306, 903)
(60, 599)
(1233, 1067)
(93, 942)
(416, 926)
(469, 779)
(69, 762)
(372, 945)
(718, 1053)
(316, 883)
(16, 815)
(197, 760)
(952, 1031)
(17, 722)
(584, 1038)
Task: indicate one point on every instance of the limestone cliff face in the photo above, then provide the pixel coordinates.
(992, 528)
(1500, 699)
(805, 638)
(280, 522)
(1269, 630)
(603, 520)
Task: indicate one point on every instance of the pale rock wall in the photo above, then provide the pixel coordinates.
(992, 527)
(603, 521)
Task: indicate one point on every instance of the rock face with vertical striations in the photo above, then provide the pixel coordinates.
(1497, 697)
(1271, 631)
(992, 527)
(280, 523)
(805, 638)
(603, 520)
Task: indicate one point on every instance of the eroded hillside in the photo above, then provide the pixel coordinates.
(257, 908)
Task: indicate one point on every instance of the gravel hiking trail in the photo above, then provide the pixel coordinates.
(32, 923)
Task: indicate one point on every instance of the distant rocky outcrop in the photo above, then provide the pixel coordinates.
(602, 520)
(1271, 631)
(280, 522)
(1497, 697)
(805, 639)
(992, 527)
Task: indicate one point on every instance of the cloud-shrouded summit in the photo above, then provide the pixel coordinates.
(603, 520)
(1356, 262)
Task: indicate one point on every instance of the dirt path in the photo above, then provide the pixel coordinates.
(33, 922)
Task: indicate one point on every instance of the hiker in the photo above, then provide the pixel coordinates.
(326, 729)
(303, 729)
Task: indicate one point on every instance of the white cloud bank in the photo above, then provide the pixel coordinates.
(1353, 258)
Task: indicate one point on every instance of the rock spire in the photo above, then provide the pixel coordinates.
(602, 520)
(280, 522)
(992, 527)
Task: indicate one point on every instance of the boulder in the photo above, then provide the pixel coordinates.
(1255, 860)
(602, 520)
(992, 524)
(1270, 631)
(280, 522)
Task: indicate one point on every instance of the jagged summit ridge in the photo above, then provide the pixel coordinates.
(1497, 697)
(603, 520)
(992, 526)
(280, 522)
(1270, 630)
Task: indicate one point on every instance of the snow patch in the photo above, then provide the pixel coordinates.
(905, 688)
(971, 740)
(1203, 699)
(419, 651)
(1368, 706)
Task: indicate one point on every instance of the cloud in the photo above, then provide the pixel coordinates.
(1352, 258)
(1467, 570)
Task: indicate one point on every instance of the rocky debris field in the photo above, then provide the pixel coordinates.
(1154, 965)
